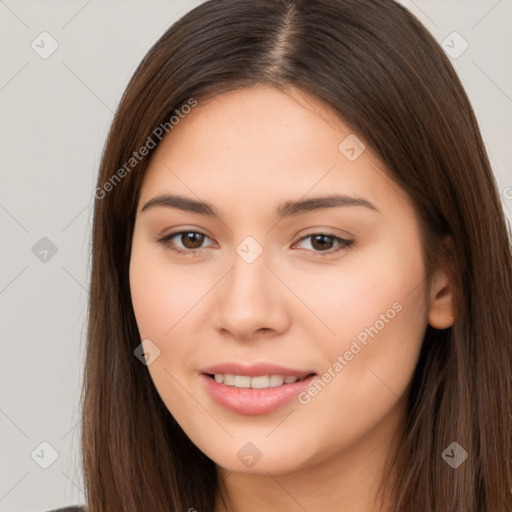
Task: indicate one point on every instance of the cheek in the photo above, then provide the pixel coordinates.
(162, 294)
(375, 286)
(169, 306)
(162, 299)
(377, 309)
(373, 309)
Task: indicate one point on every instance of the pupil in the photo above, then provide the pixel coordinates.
(322, 242)
(192, 240)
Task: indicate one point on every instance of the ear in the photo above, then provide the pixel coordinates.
(441, 308)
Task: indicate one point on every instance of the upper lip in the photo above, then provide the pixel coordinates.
(255, 370)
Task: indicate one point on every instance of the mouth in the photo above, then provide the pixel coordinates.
(256, 382)
(253, 391)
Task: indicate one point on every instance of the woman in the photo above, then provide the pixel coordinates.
(301, 274)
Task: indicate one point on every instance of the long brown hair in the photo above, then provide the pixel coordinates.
(380, 70)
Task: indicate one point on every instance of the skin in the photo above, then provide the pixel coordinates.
(245, 152)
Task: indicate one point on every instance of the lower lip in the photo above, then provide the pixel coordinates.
(254, 401)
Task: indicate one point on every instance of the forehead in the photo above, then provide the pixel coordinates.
(260, 144)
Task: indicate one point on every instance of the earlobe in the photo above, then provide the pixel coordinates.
(441, 305)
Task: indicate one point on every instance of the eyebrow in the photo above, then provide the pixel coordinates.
(286, 209)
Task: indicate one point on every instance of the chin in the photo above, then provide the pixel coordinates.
(256, 455)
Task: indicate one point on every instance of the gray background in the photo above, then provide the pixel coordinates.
(55, 113)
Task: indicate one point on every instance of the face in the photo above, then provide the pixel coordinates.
(277, 282)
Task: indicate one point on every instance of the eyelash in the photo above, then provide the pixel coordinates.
(166, 242)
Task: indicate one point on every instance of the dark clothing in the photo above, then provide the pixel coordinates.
(75, 508)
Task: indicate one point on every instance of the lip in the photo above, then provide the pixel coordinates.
(255, 370)
(249, 401)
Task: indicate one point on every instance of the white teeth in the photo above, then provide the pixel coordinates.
(276, 380)
(242, 382)
(259, 382)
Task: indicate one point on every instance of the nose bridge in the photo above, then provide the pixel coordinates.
(248, 300)
(249, 276)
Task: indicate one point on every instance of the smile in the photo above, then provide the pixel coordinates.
(254, 395)
(258, 382)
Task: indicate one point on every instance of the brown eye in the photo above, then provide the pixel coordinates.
(186, 241)
(192, 239)
(322, 242)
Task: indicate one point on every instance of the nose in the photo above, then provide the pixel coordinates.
(250, 302)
